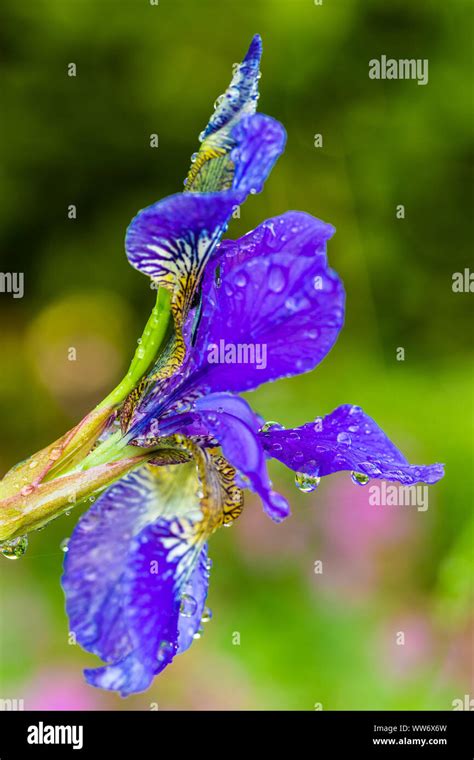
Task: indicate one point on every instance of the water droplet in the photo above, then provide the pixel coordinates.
(26, 490)
(33, 464)
(198, 633)
(193, 157)
(218, 101)
(55, 454)
(188, 605)
(139, 341)
(140, 352)
(15, 547)
(276, 279)
(164, 651)
(344, 438)
(206, 615)
(359, 478)
(306, 483)
(277, 447)
(291, 304)
(241, 279)
(271, 425)
(64, 545)
(201, 136)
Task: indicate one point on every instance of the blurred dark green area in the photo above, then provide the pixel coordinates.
(305, 638)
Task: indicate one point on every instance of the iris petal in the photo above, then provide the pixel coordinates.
(231, 421)
(278, 310)
(213, 168)
(346, 439)
(131, 558)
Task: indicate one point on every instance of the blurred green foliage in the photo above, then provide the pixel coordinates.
(141, 69)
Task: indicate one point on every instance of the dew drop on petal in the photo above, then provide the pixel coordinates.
(271, 425)
(306, 483)
(64, 545)
(188, 605)
(276, 279)
(359, 478)
(206, 615)
(164, 650)
(344, 438)
(241, 279)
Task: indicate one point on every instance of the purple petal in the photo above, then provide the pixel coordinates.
(158, 567)
(278, 310)
(238, 148)
(171, 240)
(93, 564)
(121, 606)
(231, 421)
(241, 95)
(346, 439)
(259, 141)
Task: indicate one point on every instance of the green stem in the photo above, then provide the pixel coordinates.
(148, 345)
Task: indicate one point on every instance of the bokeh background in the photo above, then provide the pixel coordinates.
(306, 640)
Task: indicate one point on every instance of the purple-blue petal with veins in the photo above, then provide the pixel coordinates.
(240, 97)
(122, 607)
(277, 300)
(346, 439)
(193, 603)
(231, 421)
(260, 140)
(152, 589)
(172, 239)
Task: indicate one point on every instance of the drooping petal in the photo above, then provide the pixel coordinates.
(234, 425)
(278, 309)
(161, 557)
(346, 439)
(131, 558)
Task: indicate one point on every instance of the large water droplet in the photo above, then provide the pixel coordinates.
(276, 279)
(15, 547)
(344, 438)
(188, 605)
(206, 615)
(198, 633)
(241, 279)
(306, 483)
(271, 425)
(359, 478)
